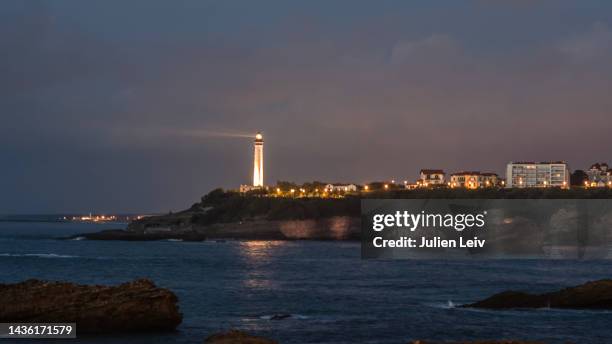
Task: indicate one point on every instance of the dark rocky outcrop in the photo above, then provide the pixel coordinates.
(591, 295)
(129, 307)
(125, 235)
(280, 316)
(237, 337)
(332, 228)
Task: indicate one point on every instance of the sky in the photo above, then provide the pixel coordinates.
(142, 106)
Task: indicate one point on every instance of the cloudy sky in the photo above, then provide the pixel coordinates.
(122, 106)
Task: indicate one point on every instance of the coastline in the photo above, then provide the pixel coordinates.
(340, 228)
(222, 215)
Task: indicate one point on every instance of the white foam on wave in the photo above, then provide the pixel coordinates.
(79, 238)
(518, 311)
(37, 255)
(444, 305)
(284, 317)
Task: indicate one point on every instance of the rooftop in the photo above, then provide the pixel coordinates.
(464, 173)
(426, 171)
(472, 173)
(534, 162)
(599, 166)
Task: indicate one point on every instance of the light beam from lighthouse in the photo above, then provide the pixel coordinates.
(258, 161)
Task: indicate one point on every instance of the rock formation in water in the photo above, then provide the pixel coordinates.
(129, 307)
(333, 228)
(237, 337)
(591, 295)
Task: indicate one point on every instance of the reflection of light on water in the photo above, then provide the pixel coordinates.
(339, 227)
(257, 254)
(259, 251)
(257, 281)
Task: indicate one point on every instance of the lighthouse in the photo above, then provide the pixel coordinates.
(258, 161)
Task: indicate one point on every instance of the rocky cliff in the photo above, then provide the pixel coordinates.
(331, 228)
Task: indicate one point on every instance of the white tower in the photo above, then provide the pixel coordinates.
(258, 161)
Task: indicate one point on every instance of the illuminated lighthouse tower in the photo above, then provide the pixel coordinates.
(258, 161)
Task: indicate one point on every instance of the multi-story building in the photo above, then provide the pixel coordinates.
(537, 175)
(490, 179)
(340, 187)
(600, 175)
(473, 180)
(431, 178)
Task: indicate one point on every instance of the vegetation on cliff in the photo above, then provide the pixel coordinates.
(220, 206)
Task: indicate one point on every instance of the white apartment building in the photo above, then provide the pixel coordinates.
(537, 175)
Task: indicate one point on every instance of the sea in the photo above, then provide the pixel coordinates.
(323, 291)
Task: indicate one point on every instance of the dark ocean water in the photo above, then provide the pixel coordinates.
(333, 295)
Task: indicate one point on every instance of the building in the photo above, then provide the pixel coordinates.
(431, 178)
(412, 186)
(537, 175)
(249, 188)
(600, 175)
(473, 180)
(257, 166)
(258, 176)
(341, 188)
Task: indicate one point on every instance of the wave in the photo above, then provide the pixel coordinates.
(571, 311)
(282, 316)
(444, 305)
(521, 312)
(38, 255)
